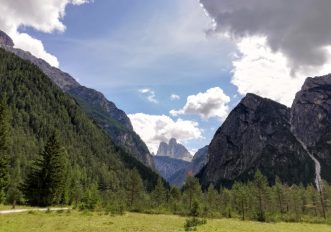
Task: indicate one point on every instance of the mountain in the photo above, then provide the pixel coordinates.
(167, 166)
(174, 150)
(37, 107)
(257, 135)
(311, 121)
(105, 113)
(199, 160)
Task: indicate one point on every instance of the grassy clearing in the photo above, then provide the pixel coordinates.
(97, 222)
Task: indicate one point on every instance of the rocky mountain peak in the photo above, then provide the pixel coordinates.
(174, 150)
(5, 39)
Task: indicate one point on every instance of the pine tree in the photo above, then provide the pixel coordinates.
(240, 196)
(279, 194)
(135, 189)
(261, 191)
(192, 190)
(4, 172)
(46, 183)
(159, 194)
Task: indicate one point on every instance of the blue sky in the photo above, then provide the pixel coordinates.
(121, 47)
(139, 53)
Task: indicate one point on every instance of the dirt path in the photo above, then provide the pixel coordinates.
(9, 211)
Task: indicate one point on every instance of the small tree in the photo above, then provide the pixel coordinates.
(46, 183)
(159, 194)
(135, 189)
(261, 191)
(4, 159)
(240, 197)
(192, 190)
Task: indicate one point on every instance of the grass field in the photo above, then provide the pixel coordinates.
(79, 221)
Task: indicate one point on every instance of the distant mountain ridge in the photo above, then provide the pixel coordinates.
(175, 170)
(113, 120)
(174, 150)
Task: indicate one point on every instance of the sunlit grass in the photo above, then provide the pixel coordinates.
(87, 221)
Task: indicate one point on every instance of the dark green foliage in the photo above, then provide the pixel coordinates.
(135, 190)
(36, 108)
(192, 191)
(192, 223)
(159, 195)
(46, 184)
(4, 172)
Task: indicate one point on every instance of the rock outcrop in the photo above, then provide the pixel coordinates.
(311, 120)
(5, 40)
(257, 135)
(174, 150)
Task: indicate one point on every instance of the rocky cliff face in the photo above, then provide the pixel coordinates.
(6, 40)
(105, 113)
(257, 135)
(174, 150)
(168, 166)
(311, 120)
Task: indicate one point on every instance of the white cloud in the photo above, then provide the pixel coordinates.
(149, 94)
(174, 97)
(212, 103)
(261, 71)
(280, 43)
(42, 15)
(154, 129)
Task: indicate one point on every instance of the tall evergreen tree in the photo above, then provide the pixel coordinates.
(135, 189)
(192, 190)
(46, 183)
(159, 194)
(4, 127)
(261, 191)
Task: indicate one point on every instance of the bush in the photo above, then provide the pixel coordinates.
(192, 223)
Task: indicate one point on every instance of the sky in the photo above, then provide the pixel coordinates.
(177, 67)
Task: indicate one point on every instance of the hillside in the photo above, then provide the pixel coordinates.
(38, 107)
(104, 112)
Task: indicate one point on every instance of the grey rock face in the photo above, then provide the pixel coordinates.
(168, 166)
(5, 40)
(105, 113)
(174, 150)
(256, 135)
(311, 120)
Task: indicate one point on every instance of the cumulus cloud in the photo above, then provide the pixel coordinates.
(150, 95)
(298, 28)
(42, 15)
(212, 103)
(280, 43)
(174, 97)
(154, 129)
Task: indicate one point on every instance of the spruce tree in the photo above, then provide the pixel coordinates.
(4, 172)
(46, 183)
(261, 191)
(192, 190)
(159, 194)
(135, 189)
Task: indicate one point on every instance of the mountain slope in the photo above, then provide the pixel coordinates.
(104, 112)
(38, 107)
(168, 166)
(199, 160)
(256, 135)
(311, 120)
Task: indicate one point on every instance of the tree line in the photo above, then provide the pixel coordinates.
(53, 180)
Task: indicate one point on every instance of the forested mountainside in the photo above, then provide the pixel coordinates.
(37, 108)
(105, 113)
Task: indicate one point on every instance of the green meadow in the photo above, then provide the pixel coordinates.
(99, 222)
